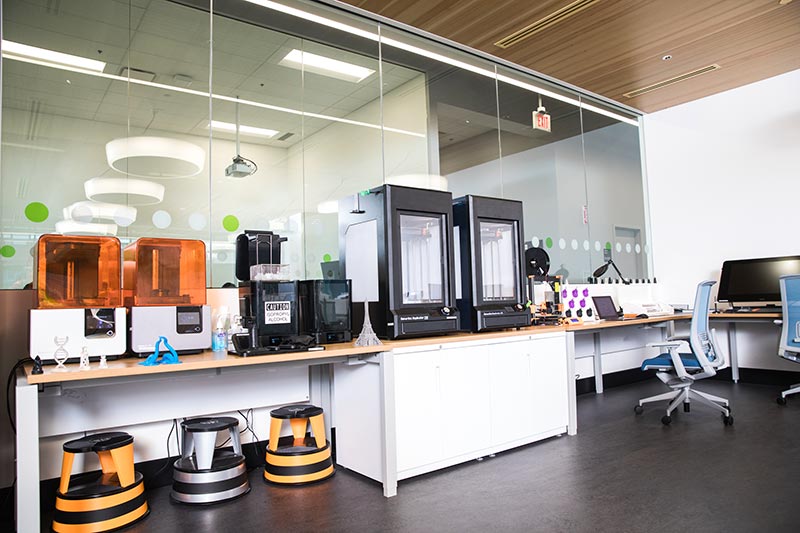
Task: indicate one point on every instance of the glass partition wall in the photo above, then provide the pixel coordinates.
(162, 118)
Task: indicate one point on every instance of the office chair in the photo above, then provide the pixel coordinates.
(789, 347)
(680, 370)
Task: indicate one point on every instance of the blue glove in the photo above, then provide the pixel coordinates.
(170, 357)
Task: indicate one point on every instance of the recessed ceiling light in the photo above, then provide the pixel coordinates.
(13, 50)
(244, 130)
(325, 66)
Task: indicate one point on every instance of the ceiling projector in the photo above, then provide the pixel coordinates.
(240, 168)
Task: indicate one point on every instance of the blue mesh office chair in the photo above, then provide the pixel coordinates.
(789, 347)
(680, 370)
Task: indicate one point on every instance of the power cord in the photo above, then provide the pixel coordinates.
(248, 415)
(174, 428)
(8, 390)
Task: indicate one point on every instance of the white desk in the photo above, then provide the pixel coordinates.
(666, 323)
(732, 319)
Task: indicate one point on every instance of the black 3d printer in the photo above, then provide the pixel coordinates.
(282, 315)
(395, 245)
(267, 301)
(491, 292)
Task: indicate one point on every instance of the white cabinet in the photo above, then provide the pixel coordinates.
(550, 402)
(528, 389)
(417, 400)
(438, 413)
(511, 392)
(455, 402)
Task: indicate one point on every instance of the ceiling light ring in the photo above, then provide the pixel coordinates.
(168, 157)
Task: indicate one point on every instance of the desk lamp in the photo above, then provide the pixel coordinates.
(604, 267)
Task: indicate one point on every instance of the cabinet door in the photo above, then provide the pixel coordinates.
(510, 391)
(417, 409)
(549, 384)
(465, 412)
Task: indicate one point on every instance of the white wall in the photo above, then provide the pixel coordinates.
(723, 177)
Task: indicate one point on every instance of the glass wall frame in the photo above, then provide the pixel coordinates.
(422, 114)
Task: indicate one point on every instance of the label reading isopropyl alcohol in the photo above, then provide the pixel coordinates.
(277, 312)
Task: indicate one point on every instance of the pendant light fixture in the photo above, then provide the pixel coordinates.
(155, 157)
(126, 191)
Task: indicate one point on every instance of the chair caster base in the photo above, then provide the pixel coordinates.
(666, 420)
(781, 400)
(727, 420)
(638, 409)
(686, 407)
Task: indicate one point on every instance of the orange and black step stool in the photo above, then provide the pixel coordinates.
(300, 458)
(111, 501)
(204, 475)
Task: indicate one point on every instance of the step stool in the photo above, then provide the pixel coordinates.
(300, 458)
(111, 501)
(205, 475)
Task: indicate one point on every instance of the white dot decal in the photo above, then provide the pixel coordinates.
(162, 219)
(574, 244)
(628, 247)
(562, 243)
(638, 249)
(535, 242)
(198, 221)
(586, 245)
(596, 246)
(619, 247)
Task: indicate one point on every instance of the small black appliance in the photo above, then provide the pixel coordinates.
(325, 310)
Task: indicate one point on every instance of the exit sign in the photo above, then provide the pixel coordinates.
(541, 121)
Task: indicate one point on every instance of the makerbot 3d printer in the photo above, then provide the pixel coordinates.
(492, 288)
(395, 244)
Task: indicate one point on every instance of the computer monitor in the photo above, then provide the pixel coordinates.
(755, 280)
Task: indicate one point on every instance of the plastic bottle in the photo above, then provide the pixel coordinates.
(219, 339)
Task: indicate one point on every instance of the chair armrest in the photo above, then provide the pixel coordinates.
(664, 344)
(679, 338)
(677, 362)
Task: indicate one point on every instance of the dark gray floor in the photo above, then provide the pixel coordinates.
(621, 473)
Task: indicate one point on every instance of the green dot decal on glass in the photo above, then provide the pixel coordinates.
(326, 257)
(230, 223)
(548, 242)
(608, 245)
(7, 251)
(36, 212)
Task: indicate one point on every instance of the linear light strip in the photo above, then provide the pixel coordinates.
(14, 49)
(435, 56)
(214, 96)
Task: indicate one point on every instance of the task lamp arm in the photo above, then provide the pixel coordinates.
(604, 268)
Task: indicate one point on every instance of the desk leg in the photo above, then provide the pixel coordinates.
(733, 352)
(27, 399)
(598, 363)
(388, 433)
(572, 399)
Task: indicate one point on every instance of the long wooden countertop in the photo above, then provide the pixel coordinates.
(211, 360)
(129, 366)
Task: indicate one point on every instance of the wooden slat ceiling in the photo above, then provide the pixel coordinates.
(616, 46)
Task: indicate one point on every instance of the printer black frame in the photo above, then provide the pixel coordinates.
(478, 313)
(390, 316)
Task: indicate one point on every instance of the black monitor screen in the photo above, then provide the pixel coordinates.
(755, 280)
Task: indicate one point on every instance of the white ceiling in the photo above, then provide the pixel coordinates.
(169, 39)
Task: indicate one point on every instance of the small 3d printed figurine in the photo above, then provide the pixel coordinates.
(367, 336)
